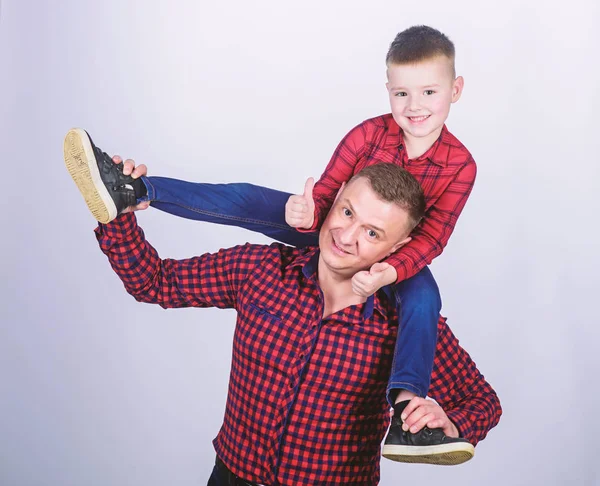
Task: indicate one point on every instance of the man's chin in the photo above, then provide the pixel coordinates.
(334, 262)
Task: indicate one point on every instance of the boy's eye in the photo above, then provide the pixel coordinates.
(429, 92)
(400, 93)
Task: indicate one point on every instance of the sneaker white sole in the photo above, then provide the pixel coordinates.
(81, 164)
(442, 454)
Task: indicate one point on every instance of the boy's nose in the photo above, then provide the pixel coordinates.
(414, 104)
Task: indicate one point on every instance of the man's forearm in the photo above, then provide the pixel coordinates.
(145, 276)
(461, 390)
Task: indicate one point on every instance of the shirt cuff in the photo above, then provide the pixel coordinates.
(461, 420)
(399, 266)
(119, 228)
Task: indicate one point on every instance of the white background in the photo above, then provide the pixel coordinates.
(96, 389)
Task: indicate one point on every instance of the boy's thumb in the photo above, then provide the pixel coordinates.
(378, 267)
(308, 188)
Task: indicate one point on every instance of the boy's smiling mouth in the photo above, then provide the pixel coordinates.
(418, 119)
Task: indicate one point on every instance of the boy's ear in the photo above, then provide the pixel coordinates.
(457, 88)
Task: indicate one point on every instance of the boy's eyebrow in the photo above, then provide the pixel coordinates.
(421, 87)
(347, 202)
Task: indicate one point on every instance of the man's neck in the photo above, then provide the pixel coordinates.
(337, 291)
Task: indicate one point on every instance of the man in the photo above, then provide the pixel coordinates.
(310, 361)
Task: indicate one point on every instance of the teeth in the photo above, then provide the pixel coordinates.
(418, 118)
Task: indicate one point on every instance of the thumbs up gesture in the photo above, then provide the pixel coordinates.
(300, 208)
(367, 282)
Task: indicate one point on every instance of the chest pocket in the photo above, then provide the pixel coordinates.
(260, 341)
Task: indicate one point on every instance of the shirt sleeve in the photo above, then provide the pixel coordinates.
(430, 237)
(461, 390)
(340, 169)
(210, 280)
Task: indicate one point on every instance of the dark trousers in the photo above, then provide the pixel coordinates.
(221, 476)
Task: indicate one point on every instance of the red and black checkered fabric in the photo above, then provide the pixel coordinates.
(306, 402)
(446, 173)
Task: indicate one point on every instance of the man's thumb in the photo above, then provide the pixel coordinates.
(308, 189)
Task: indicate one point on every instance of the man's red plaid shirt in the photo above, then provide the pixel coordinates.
(446, 173)
(306, 401)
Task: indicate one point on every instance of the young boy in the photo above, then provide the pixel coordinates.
(422, 85)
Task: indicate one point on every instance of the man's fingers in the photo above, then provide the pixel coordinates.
(412, 405)
(139, 171)
(422, 421)
(436, 423)
(140, 207)
(128, 167)
(117, 159)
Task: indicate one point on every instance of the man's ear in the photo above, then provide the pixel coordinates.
(400, 244)
(340, 190)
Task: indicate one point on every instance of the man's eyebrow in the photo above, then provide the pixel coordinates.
(347, 202)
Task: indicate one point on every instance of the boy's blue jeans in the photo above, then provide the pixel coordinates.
(262, 210)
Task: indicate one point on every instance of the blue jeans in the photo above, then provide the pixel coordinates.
(262, 210)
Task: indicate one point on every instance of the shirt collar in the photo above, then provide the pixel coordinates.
(437, 153)
(309, 261)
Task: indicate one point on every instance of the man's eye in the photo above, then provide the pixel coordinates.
(429, 92)
(372, 234)
(347, 212)
(400, 93)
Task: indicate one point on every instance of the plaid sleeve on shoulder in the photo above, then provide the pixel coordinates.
(431, 236)
(209, 280)
(339, 170)
(461, 390)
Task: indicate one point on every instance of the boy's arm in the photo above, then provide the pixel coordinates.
(430, 237)
(461, 390)
(204, 281)
(340, 169)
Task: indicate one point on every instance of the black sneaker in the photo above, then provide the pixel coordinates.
(428, 446)
(107, 192)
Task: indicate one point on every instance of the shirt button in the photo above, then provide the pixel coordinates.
(301, 355)
(400, 147)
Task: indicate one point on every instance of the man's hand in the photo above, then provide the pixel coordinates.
(300, 209)
(366, 283)
(129, 168)
(421, 412)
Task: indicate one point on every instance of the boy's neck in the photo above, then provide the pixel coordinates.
(417, 146)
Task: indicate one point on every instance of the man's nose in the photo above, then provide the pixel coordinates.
(348, 235)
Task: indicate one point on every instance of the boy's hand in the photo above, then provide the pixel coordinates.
(421, 412)
(129, 168)
(300, 209)
(366, 283)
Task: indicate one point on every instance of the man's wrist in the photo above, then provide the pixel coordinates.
(120, 227)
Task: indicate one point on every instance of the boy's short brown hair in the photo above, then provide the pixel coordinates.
(420, 43)
(394, 184)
